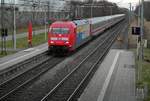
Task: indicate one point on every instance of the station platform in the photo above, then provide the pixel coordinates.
(20, 56)
(114, 80)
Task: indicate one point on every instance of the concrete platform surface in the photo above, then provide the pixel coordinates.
(10, 60)
(114, 80)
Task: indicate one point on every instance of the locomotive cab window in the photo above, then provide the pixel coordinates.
(60, 30)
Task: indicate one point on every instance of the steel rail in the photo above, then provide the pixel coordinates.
(55, 60)
(20, 74)
(20, 65)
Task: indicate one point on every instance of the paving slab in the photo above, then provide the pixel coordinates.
(114, 80)
(20, 56)
(122, 87)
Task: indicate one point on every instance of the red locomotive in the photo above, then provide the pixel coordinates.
(64, 36)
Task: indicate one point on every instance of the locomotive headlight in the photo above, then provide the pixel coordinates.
(67, 42)
(52, 42)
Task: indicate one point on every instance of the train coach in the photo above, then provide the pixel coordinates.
(66, 36)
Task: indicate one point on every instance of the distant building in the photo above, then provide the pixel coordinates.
(40, 5)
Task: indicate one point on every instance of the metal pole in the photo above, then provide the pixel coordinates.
(141, 43)
(34, 12)
(130, 14)
(142, 24)
(81, 12)
(139, 15)
(2, 25)
(129, 24)
(91, 10)
(48, 9)
(14, 37)
(110, 10)
(45, 25)
(76, 11)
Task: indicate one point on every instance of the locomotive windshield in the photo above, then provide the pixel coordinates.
(60, 30)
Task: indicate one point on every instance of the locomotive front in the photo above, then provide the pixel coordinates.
(61, 37)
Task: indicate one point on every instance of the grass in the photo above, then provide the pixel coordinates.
(145, 80)
(146, 71)
(147, 99)
(146, 53)
(8, 53)
(25, 29)
(22, 43)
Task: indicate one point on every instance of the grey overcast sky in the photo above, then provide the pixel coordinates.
(121, 3)
(125, 3)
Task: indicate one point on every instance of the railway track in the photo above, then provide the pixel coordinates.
(10, 86)
(19, 68)
(18, 82)
(92, 59)
(67, 88)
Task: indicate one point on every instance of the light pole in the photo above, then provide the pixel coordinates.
(81, 12)
(45, 24)
(130, 13)
(142, 24)
(141, 36)
(34, 5)
(14, 36)
(111, 10)
(139, 10)
(2, 25)
(140, 45)
(48, 10)
(92, 9)
(129, 24)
